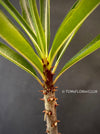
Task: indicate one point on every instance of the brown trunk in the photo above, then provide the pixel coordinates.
(50, 103)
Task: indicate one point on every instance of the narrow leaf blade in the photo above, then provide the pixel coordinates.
(61, 52)
(81, 11)
(11, 35)
(45, 19)
(88, 49)
(26, 13)
(14, 13)
(17, 59)
(38, 25)
(63, 49)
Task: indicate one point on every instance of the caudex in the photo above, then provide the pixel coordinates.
(37, 26)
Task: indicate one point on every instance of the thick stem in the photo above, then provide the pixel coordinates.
(50, 113)
(50, 103)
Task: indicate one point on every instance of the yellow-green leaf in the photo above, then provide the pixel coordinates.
(11, 35)
(45, 19)
(88, 49)
(38, 26)
(17, 59)
(81, 11)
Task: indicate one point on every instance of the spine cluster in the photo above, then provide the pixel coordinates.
(50, 100)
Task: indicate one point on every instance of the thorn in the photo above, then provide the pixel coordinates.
(47, 112)
(54, 90)
(44, 111)
(56, 98)
(47, 131)
(42, 99)
(45, 88)
(41, 91)
(52, 125)
(58, 121)
(55, 123)
(56, 87)
(51, 99)
(56, 104)
(48, 89)
(44, 93)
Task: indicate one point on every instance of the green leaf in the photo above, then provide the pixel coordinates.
(71, 11)
(61, 52)
(63, 49)
(11, 35)
(45, 19)
(38, 26)
(79, 14)
(17, 59)
(88, 49)
(26, 13)
(65, 45)
(14, 13)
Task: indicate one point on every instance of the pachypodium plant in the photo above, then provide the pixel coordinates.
(36, 25)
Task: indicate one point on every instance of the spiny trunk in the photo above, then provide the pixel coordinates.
(50, 103)
(50, 113)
